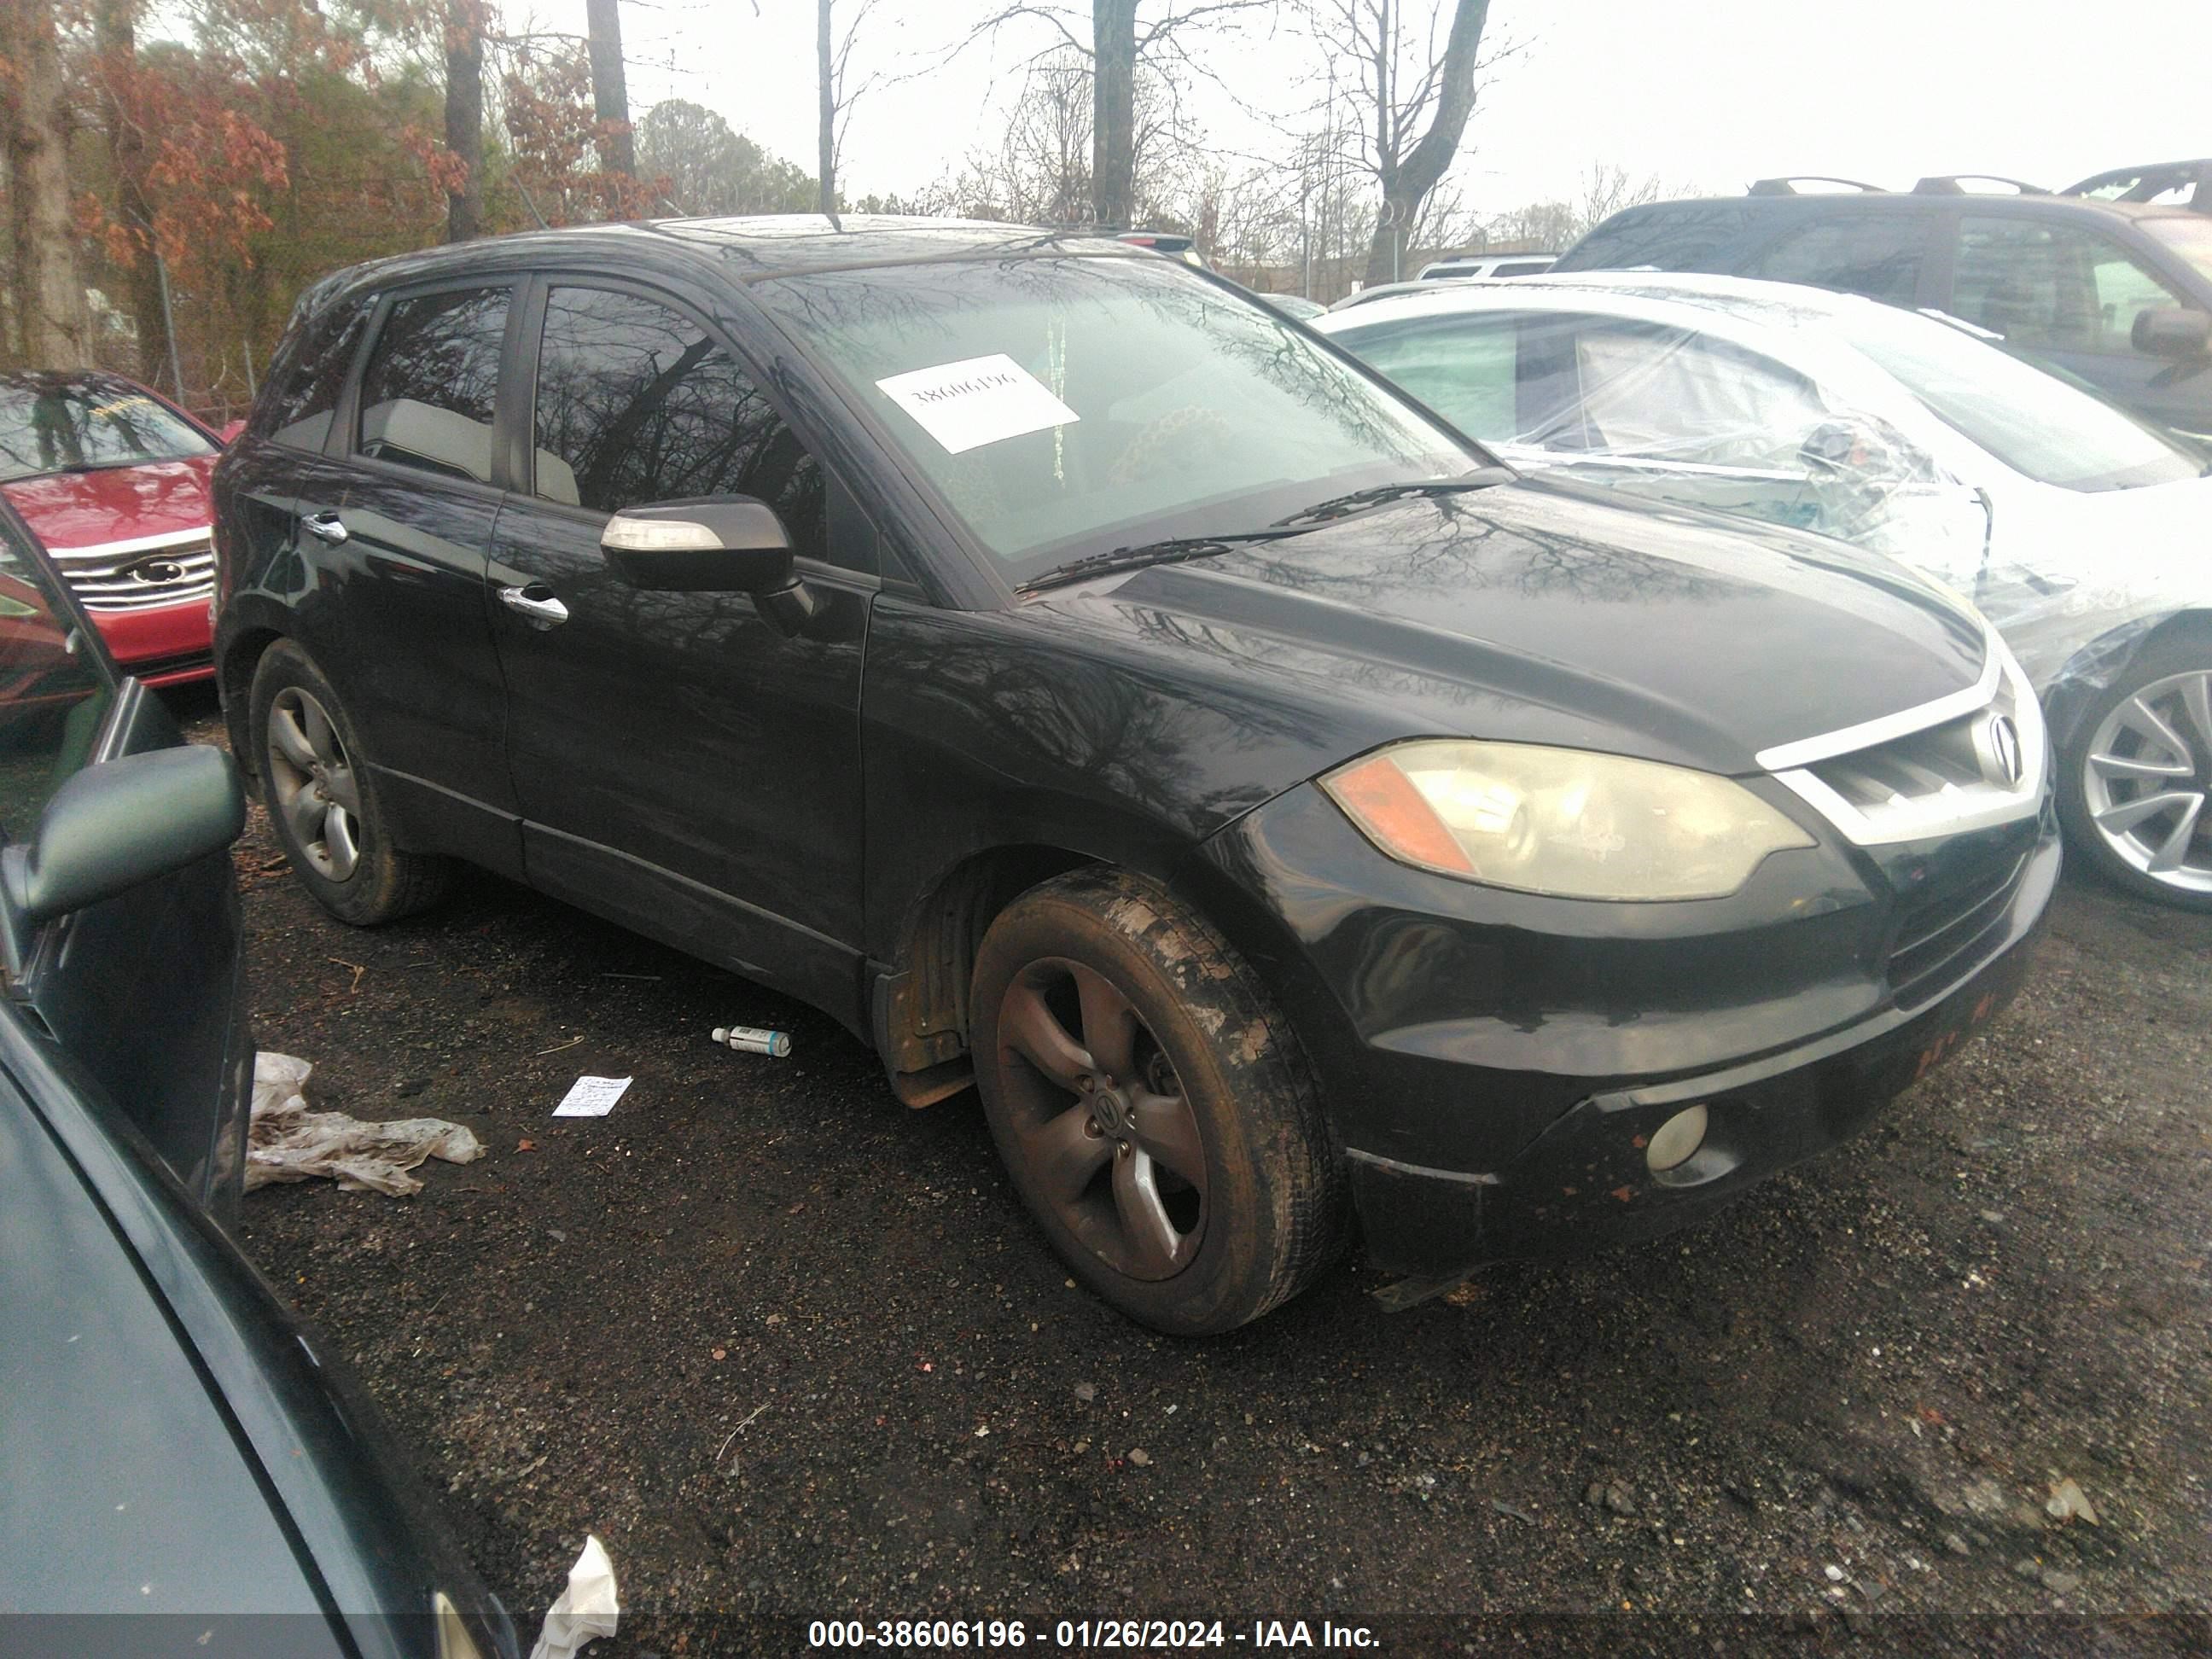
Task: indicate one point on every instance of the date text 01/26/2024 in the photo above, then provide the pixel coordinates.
(1085, 1635)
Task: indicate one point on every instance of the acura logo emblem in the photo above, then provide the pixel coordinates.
(155, 571)
(2004, 747)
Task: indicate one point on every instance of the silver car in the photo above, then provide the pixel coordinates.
(2082, 533)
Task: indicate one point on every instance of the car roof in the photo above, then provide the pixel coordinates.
(1734, 295)
(1814, 203)
(753, 249)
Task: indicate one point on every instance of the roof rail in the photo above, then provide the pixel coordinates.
(1954, 184)
(2148, 183)
(1787, 184)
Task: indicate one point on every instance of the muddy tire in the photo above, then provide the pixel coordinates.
(323, 801)
(1152, 1104)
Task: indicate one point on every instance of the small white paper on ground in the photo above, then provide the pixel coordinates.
(587, 1609)
(976, 401)
(591, 1096)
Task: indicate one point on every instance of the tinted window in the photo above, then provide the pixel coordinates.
(1680, 236)
(2051, 287)
(85, 423)
(637, 404)
(1877, 256)
(432, 383)
(1461, 367)
(54, 691)
(296, 408)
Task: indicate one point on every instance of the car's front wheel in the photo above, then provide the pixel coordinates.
(2137, 776)
(1151, 1104)
(323, 801)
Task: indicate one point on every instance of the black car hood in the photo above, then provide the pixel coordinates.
(1548, 612)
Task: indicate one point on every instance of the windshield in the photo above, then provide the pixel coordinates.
(1068, 407)
(2039, 426)
(2188, 234)
(57, 423)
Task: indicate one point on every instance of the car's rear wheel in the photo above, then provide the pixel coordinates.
(1151, 1104)
(323, 800)
(2136, 780)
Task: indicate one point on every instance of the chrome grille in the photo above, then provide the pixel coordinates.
(1976, 759)
(143, 574)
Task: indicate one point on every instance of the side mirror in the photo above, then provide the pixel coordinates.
(229, 434)
(120, 824)
(722, 545)
(2173, 332)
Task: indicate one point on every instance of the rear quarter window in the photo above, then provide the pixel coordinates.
(302, 395)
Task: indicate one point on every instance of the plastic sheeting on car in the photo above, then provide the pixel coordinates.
(1802, 416)
(287, 1141)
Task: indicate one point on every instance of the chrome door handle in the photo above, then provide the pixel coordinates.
(324, 527)
(534, 604)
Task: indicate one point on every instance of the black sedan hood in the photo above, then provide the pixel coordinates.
(1545, 612)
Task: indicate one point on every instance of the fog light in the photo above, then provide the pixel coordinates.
(1679, 1137)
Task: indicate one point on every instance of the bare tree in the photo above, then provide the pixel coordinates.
(52, 321)
(610, 89)
(1118, 47)
(1413, 97)
(836, 91)
(464, 39)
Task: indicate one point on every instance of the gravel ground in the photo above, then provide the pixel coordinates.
(794, 1352)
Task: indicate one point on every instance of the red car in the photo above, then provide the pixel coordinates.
(114, 481)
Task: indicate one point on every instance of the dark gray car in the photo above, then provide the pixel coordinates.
(2115, 291)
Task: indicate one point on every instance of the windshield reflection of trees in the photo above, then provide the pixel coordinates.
(49, 423)
(1099, 332)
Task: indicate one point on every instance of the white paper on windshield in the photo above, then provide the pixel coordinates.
(591, 1096)
(976, 401)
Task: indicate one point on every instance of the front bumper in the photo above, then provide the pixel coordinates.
(1520, 1128)
(162, 645)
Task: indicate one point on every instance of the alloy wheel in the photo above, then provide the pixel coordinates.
(1101, 1129)
(2145, 777)
(313, 785)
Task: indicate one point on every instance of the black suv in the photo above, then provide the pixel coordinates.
(1086, 684)
(2110, 280)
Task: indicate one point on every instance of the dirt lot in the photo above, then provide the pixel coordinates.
(794, 1352)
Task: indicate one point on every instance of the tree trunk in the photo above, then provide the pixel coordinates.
(825, 67)
(610, 94)
(116, 41)
(1113, 111)
(464, 117)
(1406, 183)
(53, 324)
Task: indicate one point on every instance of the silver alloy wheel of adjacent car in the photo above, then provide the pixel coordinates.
(312, 784)
(2145, 776)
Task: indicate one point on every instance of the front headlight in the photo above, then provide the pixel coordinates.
(1564, 822)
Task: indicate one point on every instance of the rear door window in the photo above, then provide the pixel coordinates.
(54, 690)
(431, 386)
(1878, 255)
(638, 403)
(2053, 287)
(1608, 385)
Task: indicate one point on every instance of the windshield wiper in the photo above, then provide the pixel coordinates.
(1176, 550)
(1337, 506)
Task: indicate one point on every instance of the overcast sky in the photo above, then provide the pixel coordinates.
(1713, 93)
